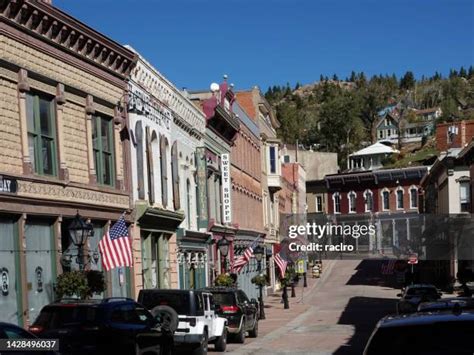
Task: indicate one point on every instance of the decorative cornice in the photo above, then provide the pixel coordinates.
(61, 30)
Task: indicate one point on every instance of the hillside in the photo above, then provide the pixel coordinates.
(339, 115)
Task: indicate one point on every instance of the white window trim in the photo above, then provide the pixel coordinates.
(381, 195)
(368, 192)
(399, 188)
(413, 187)
(334, 202)
(349, 201)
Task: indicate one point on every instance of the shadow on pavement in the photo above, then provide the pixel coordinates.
(369, 272)
(363, 313)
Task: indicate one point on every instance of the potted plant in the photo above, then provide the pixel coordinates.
(224, 280)
(82, 284)
(260, 280)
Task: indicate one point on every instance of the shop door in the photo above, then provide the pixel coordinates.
(40, 265)
(9, 280)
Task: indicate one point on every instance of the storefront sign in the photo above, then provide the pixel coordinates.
(226, 188)
(8, 185)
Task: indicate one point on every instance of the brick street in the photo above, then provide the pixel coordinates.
(336, 315)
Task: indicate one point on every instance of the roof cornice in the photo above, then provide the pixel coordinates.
(60, 30)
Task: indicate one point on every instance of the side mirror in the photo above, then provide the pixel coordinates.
(399, 295)
(254, 301)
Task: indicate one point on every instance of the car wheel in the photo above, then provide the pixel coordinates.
(202, 349)
(221, 342)
(240, 336)
(254, 332)
(168, 318)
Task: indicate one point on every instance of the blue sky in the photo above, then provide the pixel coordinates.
(267, 42)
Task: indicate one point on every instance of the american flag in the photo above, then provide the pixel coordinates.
(243, 259)
(115, 246)
(281, 263)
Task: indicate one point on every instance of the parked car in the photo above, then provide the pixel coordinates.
(108, 326)
(198, 323)
(445, 304)
(240, 312)
(415, 294)
(14, 332)
(440, 333)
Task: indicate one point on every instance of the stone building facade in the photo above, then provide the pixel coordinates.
(166, 129)
(63, 149)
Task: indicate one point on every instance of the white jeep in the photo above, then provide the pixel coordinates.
(192, 316)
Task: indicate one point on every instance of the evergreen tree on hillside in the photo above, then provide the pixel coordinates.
(407, 82)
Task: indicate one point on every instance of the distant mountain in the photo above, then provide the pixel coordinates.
(340, 115)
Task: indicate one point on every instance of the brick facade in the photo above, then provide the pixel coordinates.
(464, 134)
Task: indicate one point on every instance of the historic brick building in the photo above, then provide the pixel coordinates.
(213, 170)
(247, 207)
(63, 140)
(454, 134)
(260, 111)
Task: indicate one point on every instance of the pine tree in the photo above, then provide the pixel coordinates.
(407, 82)
(353, 77)
(462, 72)
(335, 78)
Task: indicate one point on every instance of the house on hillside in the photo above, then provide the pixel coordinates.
(413, 123)
(370, 158)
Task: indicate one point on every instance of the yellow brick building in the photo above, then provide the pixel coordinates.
(63, 149)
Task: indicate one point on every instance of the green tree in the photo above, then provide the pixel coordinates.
(407, 82)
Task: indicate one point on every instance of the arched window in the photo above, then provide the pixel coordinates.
(188, 203)
(400, 193)
(385, 199)
(164, 170)
(150, 165)
(352, 196)
(336, 197)
(140, 165)
(413, 197)
(369, 200)
(175, 176)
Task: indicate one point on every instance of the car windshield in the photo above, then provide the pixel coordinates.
(224, 298)
(436, 338)
(58, 317)
(179, 301)
(420, 291)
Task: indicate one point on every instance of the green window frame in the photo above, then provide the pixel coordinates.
(104, 156)
(42, 140)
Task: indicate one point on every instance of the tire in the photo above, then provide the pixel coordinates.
(254, 332)
(240, 336)
(221, 342)
(202, 349)
(168, 318)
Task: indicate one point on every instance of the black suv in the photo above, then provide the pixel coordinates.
(241, 313)
(108, 326)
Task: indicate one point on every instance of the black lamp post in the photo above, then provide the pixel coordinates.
(258, 252)
(79, 231)
(223, 245)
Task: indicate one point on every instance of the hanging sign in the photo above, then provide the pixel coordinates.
(226, 188)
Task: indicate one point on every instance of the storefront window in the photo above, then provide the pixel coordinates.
(8, 274)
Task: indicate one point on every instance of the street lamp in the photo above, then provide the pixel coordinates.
(79, 231)
(258, 252)
(223, 245)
